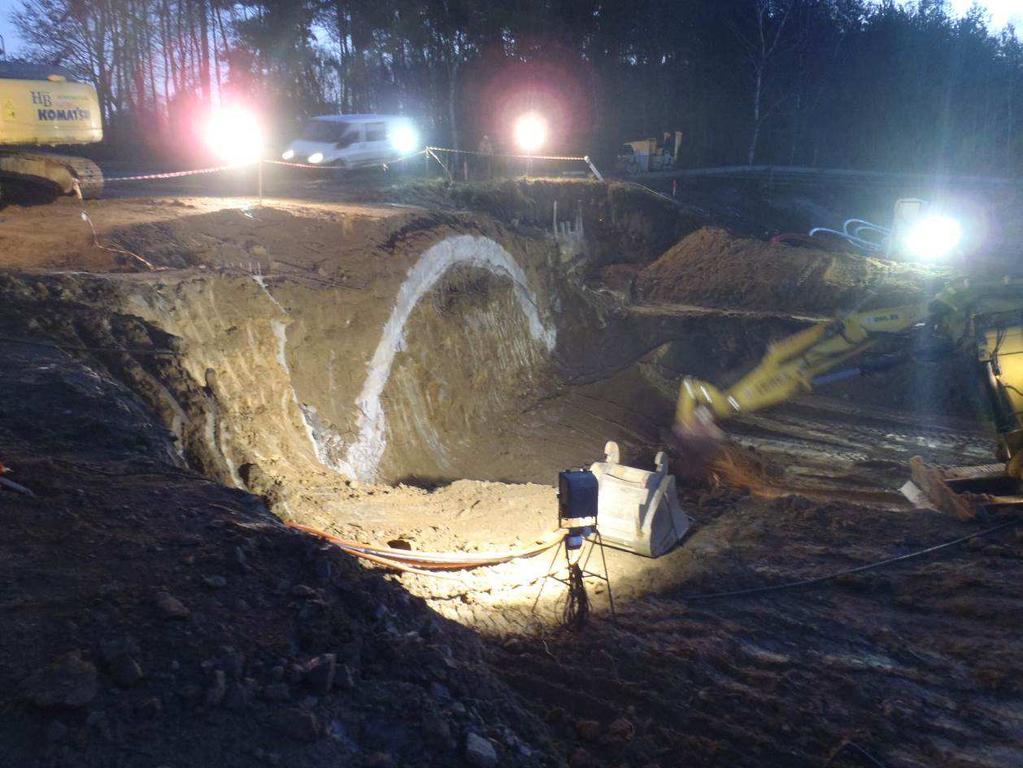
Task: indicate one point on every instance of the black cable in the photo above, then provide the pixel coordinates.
(850, 571)
(999, 338)
(854, 747)
(77, 348)
(577, 605)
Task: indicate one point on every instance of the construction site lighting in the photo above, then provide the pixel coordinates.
(235, 135)
(316, 158)
(404, 139)
(933, 238)
(530, 132)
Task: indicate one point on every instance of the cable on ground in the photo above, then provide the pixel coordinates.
(852, 232)
(80, 348)
(802, 583)
(577, 605)
(850, 746)
(428, 562)
(112, 249)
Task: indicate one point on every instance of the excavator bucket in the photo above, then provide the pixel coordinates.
(637, 510)
(963, 492)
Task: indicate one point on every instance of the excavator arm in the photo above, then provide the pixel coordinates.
(982, 318)
(793, 365)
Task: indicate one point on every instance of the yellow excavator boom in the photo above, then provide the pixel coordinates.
(790, 365)
(984, 318)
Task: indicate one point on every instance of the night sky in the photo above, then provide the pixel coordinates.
(1002, 12)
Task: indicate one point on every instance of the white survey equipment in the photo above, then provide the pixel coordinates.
(638, 510)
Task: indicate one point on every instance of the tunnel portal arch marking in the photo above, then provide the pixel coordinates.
(363, 456)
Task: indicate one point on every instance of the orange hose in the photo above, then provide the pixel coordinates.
(426, 561)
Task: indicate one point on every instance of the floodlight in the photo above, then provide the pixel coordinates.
(933, 238)
(235, 135)
(530, 132)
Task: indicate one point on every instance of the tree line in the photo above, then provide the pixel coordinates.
(841, 83)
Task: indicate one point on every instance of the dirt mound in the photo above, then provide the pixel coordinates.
(713, 267)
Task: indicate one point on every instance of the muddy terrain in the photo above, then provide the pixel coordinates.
(189, 378)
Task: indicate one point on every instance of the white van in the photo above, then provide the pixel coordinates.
(351, 141)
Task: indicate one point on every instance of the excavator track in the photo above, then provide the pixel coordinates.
(63, 173)
(89, 175)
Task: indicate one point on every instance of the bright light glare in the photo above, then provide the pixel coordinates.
(288, 154)
(316, 157)
(933, 238)
(1002, 11)
(530, 132)
(404, 139)
(235, 135)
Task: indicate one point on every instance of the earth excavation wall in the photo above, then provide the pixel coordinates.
(317, 346)
(287, 346)
(375, 382)
(466, 351)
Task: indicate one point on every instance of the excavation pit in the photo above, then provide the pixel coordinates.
(418, 376)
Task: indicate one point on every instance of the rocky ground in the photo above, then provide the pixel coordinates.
(154, 616)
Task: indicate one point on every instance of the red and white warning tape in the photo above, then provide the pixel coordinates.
(574, 158)
(580, 158)
(178, 174)
(290, 164)
(426, 151)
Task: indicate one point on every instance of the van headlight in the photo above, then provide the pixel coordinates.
(288, 154)
(316, 157)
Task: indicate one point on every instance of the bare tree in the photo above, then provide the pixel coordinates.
(745, 80)
(762, 36)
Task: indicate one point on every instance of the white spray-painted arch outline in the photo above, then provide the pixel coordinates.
(363, 456)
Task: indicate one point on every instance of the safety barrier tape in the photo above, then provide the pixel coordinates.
(405, 157)
(290, 164)
(580, 158)
(426, 151)
(651, 190)
(177, 174)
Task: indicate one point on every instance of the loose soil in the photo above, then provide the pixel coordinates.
(714, 268)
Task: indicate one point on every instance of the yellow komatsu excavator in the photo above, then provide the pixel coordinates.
(43, 106)
(982, 321)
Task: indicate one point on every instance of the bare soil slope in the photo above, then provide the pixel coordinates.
(714, 268)
(173, 232)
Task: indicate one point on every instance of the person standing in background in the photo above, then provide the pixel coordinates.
(486, 150)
